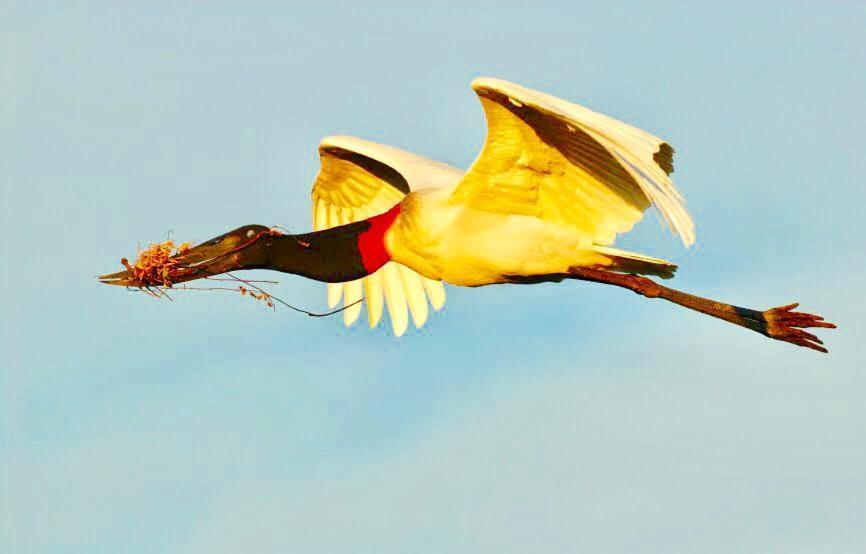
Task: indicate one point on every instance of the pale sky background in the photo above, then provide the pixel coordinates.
(555, 418)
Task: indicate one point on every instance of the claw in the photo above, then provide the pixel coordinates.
(786, 325)
(805, 343)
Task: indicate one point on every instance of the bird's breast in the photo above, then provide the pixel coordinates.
(420, 232)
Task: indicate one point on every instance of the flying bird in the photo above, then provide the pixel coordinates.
(553, 186)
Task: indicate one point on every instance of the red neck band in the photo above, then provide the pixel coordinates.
(371, 243)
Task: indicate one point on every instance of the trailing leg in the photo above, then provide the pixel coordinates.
(780, 323)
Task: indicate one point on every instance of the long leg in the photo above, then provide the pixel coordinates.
(777, 323)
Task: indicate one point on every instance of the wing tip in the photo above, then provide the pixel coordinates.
(399, 328)
(684, 229)
(350, 318)
(688, 239)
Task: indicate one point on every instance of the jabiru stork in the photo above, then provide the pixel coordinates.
(553, 186)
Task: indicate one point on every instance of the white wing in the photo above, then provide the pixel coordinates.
(359, 179)
(568, 165)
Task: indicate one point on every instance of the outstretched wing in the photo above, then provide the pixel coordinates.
(359, 179)
(563, 163)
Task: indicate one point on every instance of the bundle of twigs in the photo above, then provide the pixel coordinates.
(154, 265)
(155, 268)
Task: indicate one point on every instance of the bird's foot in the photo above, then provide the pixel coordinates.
(787, 325)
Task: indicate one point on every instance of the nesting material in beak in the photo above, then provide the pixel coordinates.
(164, 264)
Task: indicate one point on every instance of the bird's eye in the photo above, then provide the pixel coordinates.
(250, 233)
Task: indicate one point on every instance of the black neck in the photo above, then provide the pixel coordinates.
(330, 256)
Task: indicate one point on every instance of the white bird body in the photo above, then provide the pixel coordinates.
(469, 247)
(553, 186)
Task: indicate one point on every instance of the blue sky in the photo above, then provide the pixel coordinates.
(554, 418)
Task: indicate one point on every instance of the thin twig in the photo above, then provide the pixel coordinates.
(184, 287)
(249, 281)
(294, 237)
(295, 308)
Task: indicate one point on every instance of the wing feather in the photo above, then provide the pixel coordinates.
(374, 297)
(415, 296)
(548, 158)
(354, 291)
(435, 292)
(395, 297)
(359, 179)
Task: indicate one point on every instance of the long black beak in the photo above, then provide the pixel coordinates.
(238, 249)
